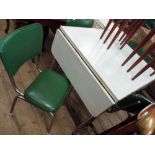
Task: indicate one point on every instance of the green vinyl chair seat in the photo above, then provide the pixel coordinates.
(47, 91)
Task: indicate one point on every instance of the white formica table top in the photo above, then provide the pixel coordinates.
(106, 64)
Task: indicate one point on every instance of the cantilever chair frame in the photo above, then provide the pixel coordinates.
(21, 95)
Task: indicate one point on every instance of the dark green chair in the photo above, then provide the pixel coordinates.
(80, 22)
(150, 23)
(49, 90)
(132, 104)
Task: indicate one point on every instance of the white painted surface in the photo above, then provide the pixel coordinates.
(94, 96)
(106, 64)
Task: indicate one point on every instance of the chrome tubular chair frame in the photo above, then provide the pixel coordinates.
(21, 95)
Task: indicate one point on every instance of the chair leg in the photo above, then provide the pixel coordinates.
(14, 103)
(50, 127)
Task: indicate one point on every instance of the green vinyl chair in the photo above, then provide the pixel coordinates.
(80, 22)
(49, 90)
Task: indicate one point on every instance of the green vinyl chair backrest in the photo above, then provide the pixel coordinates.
(80, 22)
(21, 45)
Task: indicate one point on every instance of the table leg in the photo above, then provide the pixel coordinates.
(86, 122)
